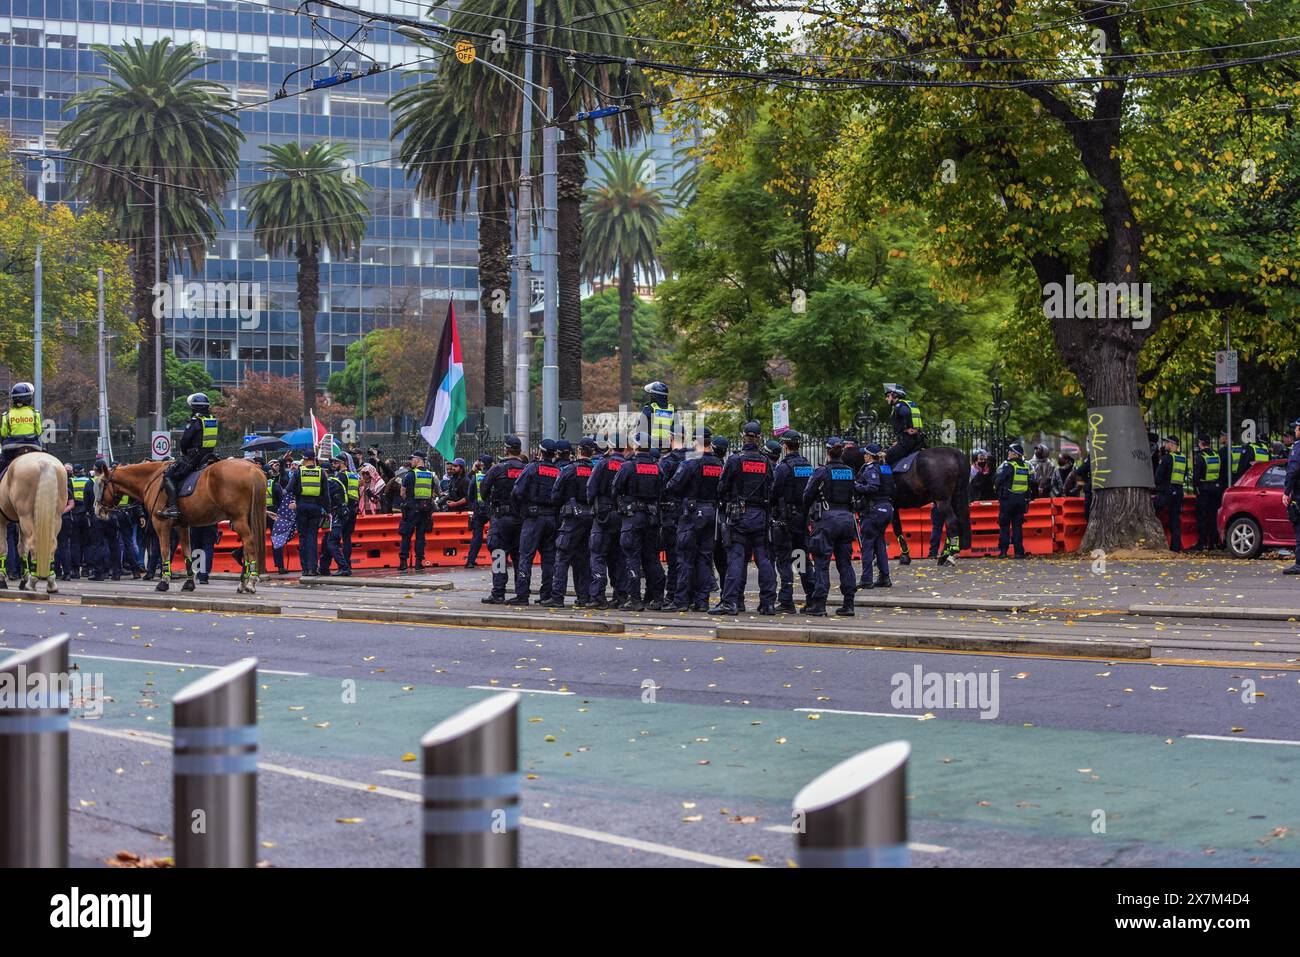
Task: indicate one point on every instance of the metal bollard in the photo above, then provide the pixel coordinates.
(34, 704)
(855, 814)
(471, 786)
(214, 769)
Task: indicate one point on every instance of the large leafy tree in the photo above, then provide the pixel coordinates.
(462, 169)
(583, 26)
(311, 203)
(621, 223)
(153, 118)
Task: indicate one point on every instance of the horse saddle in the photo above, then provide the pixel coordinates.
(191, 480)
(905, 464)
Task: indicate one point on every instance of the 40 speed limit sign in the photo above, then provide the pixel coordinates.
(161, 446)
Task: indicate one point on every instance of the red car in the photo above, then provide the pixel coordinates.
(1252, 516)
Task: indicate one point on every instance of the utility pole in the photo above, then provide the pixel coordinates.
(550, 273)
(105, 446)
(159, 423)
(38, 377)
(523, 251)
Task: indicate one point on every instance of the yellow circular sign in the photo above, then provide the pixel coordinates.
(465, 51)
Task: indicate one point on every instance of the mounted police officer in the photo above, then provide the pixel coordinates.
(1012, 485)
(1206, 469)
(313, 499)
(20, 425)
(572, 542)
(606, 528)
(658, 416)
(637, 488)
(531, 498)
(1291, 494)
(504, 522)
(745, 490)
(875, 487)
(907, 423)
(417, 511)
(1170, 475)
(478, 507)
(197, 444)
(695, 485)
(790, 522)
(828, 499)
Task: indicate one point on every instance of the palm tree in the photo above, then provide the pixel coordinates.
(310, 204)
(622, 218)
(461, 167)
(153, 118)
(497, 105)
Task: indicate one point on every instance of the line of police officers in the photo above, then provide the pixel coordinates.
(603, 520)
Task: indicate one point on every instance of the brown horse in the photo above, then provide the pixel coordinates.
(231, 489)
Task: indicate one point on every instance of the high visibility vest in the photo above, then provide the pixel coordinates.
(341, 483)
(79, 486)
(124, 501)
(1019, 478)
(20, 422)
(661, 423)
(1236, 458)
(1211, 467)
(423, 484)
(209, 433)
(917, 421)
(354, 487)
(1179, 472)
(270, 497)
(478, 487)
(309, 478)
(1262, 452)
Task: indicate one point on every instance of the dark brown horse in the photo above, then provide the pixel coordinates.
(233, 490)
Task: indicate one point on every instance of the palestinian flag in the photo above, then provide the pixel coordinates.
(446, 408)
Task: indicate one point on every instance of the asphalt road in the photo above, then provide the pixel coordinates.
(672, 751)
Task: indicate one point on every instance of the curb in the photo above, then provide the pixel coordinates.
(439, 617)
(1225, 611)
(13, 594)
(182, 603)
(936, 642)
(951, 604)
(429, 585)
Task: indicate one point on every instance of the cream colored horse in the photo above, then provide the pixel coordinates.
(33, 493)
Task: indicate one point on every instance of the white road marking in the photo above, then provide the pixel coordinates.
(919, 848)
(409, 775)
(570, 830)
(1224, 737)
(866, 714)
(520, 690)
(184, 664)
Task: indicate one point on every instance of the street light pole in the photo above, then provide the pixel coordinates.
(550, 272)
(105, 446)
(523, 249)
(158, 320)
(38, 377)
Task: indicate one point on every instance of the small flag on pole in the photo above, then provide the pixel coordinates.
(446, 408)
(317, 429)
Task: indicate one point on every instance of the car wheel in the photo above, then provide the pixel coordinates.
(1245, 539)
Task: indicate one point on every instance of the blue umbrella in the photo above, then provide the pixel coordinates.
(298, 439)
(264, 443)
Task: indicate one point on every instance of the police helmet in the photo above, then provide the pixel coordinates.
(895, 389)
(752, 428)
(1017, 448)
(791, 438)
(512, 442)
(834, 442)
(657, 390)
(198, 402)
(22, 393)
(720, 446)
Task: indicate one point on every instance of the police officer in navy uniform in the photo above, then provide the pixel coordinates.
(606, 529)
(790, 522)
(1012, 485)
(905, 418)
(531, 498)
(478, 507)
(1207, 469)
(196, 444)
(83, 499)
(1170, 474)
(875, 488)
(417, 511)
(670, 510)
(828, 500)
(336, 539)
(572, 542)
(311, 491)
(720, 448)
(745, 489)
(695, 485)
(637, 489)
(1291, 494)
(503, 522)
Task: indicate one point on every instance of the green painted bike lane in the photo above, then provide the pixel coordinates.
(1180, 793)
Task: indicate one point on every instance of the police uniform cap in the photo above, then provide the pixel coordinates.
(790, 436)
(309, 454)
(587, 443)
(752, 428)
(835, 442)
(1173, 439)
(563, 445)
(720, 445)
(512, 442)
(1017, 448)
(549, 445)
(487, 459)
